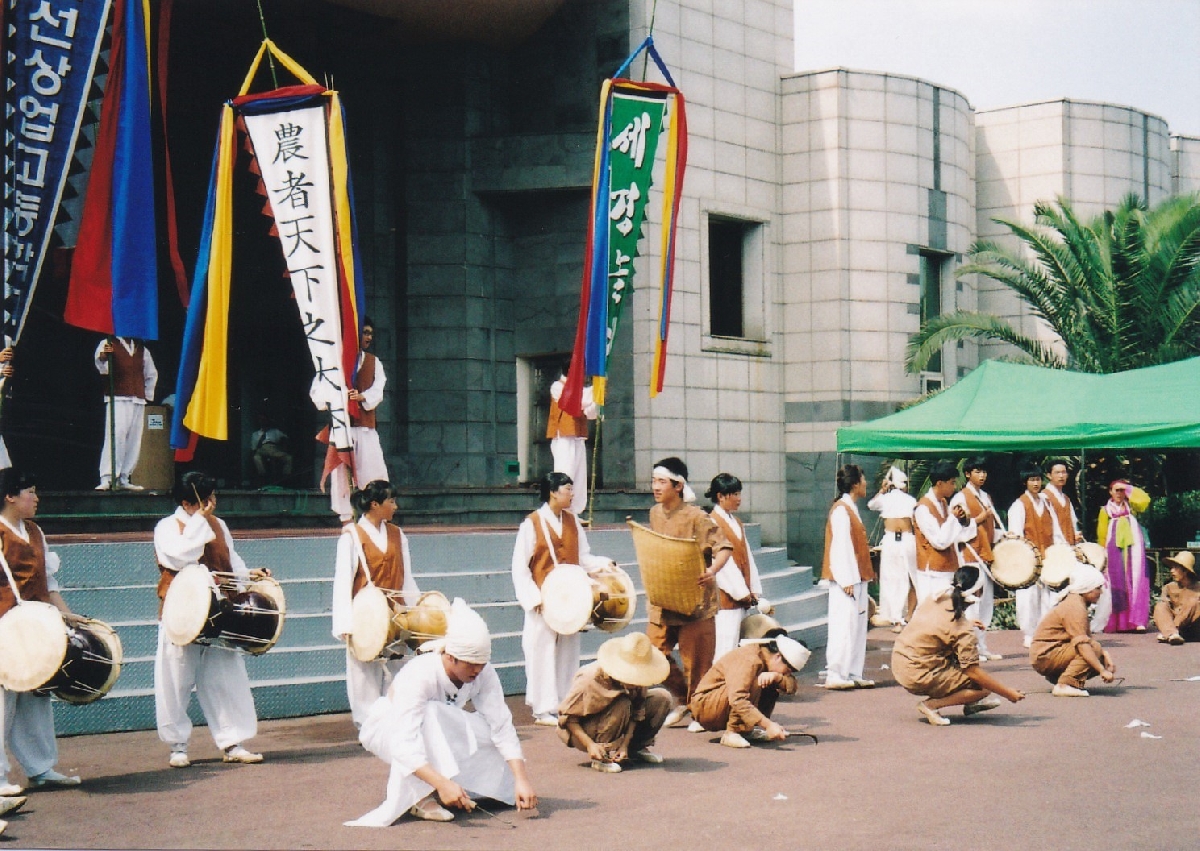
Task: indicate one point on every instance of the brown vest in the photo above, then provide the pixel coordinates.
(566, 548)
(215, 557)
(27, 561)
(362, 383)
(1063, 512)
(928, 558)
(1039, 531)
(561, 424)
(858, 537)
(128, 371)
(982, 543)
(387, 568)
(740, 557)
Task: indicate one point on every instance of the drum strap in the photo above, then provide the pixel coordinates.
(360, 555)
(980, 562)
(11, 581)
(549, 541)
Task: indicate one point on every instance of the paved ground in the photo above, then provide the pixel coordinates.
(1048, 772)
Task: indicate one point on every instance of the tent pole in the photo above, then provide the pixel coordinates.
(1083, 489)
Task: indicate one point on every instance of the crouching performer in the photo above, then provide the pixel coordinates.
(937, 655)
(1063, 650)
(611, 712)
(439, 753)
(739, 692)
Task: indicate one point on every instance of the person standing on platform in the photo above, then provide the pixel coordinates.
(898, 550)
(568, 441)
(1177, 613)
(195, 535)
(367, 452)
(29, 568)
(846, 571)
(738, 583)
(696, 633)
(978, 504)
(1120, 532)
(940, 529)
(548, 537)
(6, 372)
(1032, 518)
(376, 552)
(134, 378)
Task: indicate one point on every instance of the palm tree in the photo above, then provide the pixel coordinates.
(1120, 292)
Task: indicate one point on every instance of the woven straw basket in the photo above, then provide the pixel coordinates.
(671, 569)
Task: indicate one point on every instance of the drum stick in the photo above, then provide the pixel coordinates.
(791, 733)
(493, 815)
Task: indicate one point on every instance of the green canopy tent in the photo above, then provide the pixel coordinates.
(1005, 407)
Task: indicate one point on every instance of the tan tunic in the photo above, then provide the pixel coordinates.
(934, 649)
(1054, 652)
(566, 546)
(689, 521)
(982, 542)
(740, 557)
(858, 539)
(215, 557)
(27, 561)
(1179, 609)
(128, 371)
(1039, 528)
(362, 383)
(729, 696)
(562, 424)
(928, 556)
(387, 568)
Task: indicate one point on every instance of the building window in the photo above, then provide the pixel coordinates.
(734, 260)
(931, 298)
(726, 277)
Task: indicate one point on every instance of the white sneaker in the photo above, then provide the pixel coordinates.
(130, 486)
(991, 657)
(758, 734)
(839, 685)
(53, 778)
(430, 810)
(9, 790)
(649, 757)
(1028, 642)
(546, 720)
(676, 715)
(731, 739)
(237, 753)
(932, 715)
(179, 759)
(990, 702)
(606, 767)
(11, 805)
(1064, 690)
(695, 727)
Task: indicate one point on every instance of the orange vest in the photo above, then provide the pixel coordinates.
(128, 371)
(561, 424)
(387, 568)
(27, 561)
(858, 538)
(362, 383)
(982, 543)
(740, 558)
(929, 558)
(566, 547)
(1039, 531)
(1064, 516)
(215, 557)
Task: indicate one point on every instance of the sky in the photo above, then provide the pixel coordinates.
(1139, 53)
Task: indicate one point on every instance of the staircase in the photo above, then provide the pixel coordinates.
(304, 674)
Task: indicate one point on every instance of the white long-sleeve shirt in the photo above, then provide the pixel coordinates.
(149, 370)
(1053, 495)
(729, 578)
(1017, 518)
(941, 530)
(371, 397)
(842, 561)
(345, 569)
(176, 549)
(586, 402)
(528, 593)
(893, 505)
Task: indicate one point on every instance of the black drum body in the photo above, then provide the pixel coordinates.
(245, 620)
(89, 668)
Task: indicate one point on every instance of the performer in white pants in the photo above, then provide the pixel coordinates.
(568, 441)
(369, 464)
(28, 571)
(195, 535)
(1068, 530)
(1032, 518)
(547, 538)
(134, 380)
(846, 571)
(440, 754)
(898, 549)
(940, 529)
(374, 551)
(977, 503)
(738, 583)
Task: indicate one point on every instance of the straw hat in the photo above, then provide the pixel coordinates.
(793, 651)
(633, 660)
(1183, 559)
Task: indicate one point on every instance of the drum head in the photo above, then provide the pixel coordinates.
(268, 587)
(1060, 560)
(1095, 554)
(567, 599)
(615, 613)
(109, 638)
(187, 605)
(33, 644)
(370, 618)
(1016, 563)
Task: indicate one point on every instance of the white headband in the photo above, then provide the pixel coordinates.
(896, 476)
(689, 495)
(1084, 578)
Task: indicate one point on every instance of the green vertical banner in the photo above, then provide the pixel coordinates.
(635, 125)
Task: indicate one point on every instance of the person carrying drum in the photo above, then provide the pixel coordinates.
(548, 537)
(695, 634)
(738, 582)
(1063, 650)
(612, 713)
(371, 550)
(439, 753)
(1032, 518)
(940, 529)
(897, 550)
(740, 690)
(937, 655)
(978, 504)
(1068, 530)
(26, 718)
(195, 535)
(1177, 613)
(846, 571)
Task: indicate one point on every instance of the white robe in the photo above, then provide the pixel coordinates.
(845, 652)
(1036, 601)
(366, 682)
(422, 721)
(729, 579)
(897, 556)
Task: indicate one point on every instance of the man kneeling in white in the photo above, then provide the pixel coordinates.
(441, 754)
